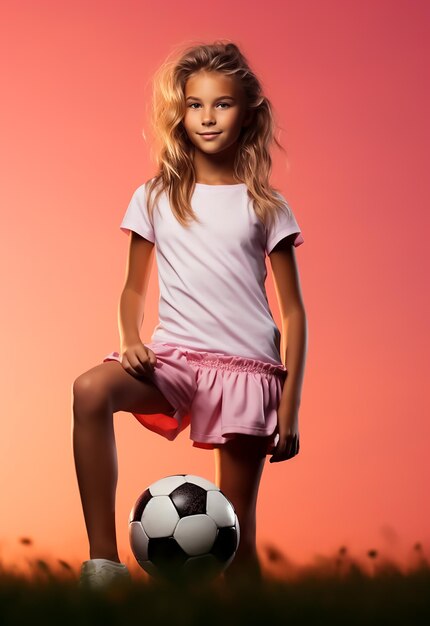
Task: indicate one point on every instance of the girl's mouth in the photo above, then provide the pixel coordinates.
(209, 135)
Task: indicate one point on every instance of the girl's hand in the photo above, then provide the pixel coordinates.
(137, 359)
(288, 445)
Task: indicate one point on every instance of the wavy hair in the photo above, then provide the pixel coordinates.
(173, 149)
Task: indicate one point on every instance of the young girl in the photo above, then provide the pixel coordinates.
(213, 362)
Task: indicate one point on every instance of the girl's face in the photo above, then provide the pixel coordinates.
(214, 103)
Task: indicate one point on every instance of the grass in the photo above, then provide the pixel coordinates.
(333, 590)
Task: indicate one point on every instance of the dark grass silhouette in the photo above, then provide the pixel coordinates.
(338, 589)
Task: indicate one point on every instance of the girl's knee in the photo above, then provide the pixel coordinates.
(90, 394)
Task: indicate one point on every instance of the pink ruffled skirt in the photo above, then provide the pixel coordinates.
(217, 395)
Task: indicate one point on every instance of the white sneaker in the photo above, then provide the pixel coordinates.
(101, 573)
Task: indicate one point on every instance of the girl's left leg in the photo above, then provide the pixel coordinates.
(239, 465)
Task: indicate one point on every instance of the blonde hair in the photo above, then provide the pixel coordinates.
(176, 173)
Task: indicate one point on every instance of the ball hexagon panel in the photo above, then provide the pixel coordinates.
(159, 517)
(196, 534)
(216, 507)
(165, 486)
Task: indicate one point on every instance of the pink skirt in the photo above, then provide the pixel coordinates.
(217, 394)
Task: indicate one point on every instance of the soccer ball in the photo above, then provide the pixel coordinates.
(183, 527)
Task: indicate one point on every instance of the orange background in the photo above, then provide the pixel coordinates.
(347, 80)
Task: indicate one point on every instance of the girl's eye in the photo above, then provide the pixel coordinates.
(193, 103)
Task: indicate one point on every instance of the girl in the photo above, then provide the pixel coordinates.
(213, 362)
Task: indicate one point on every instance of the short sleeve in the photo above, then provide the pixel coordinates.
(136, 217)
(283, 224)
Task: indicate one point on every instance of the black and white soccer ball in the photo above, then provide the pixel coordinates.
(183, 527)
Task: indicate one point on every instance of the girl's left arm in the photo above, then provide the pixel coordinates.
(294, 334)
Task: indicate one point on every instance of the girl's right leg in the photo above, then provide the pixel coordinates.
(97, 395)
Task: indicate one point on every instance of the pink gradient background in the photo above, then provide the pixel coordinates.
(348, 83)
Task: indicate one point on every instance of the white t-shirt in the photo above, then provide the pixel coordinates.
(212, 275)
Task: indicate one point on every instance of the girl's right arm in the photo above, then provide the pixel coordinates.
(136, 358)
